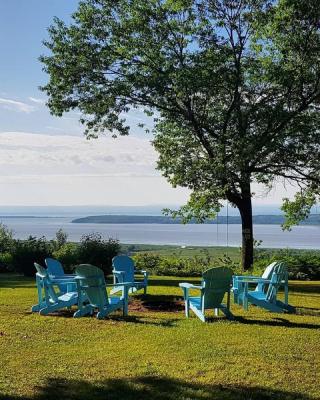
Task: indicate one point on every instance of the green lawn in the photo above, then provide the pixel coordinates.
(189, 251)
(156, 353)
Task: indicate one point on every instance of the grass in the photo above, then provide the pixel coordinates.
(158, 354)
(215, 252)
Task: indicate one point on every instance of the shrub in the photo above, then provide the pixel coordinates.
(60, 239)
(26, 252)
(67, 254)
(302, 264)
(176, 266)
(6, 238)
(93, 249)
(147, 261)
(5, 262)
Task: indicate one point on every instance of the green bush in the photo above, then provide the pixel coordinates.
(93, 249)
(26, 252)
(6, 238)
(302, 265)
(60, 239)
(147, 261)
(67, 254)
(176, 266)
(5, 262)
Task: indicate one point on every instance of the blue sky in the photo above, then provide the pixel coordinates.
(45, 160)
(23, 26)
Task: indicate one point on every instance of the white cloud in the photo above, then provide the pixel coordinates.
(14, 105)
(63, 169)
(27, 154)
(43, 169)
(37, 101)
(55, 128)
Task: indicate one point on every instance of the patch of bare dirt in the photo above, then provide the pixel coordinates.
(156, 305)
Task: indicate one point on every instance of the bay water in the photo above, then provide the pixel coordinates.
(303, 237)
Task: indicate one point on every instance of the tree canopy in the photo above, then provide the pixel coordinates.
(233, 87)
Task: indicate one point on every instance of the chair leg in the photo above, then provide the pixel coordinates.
(235, 298)
(101, 314)
(286, 294)
(83, 311)
(35, 308)
(187, 308)
(227, 313)
(245, 304)
(125, 307)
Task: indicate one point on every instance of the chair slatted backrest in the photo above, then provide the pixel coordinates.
(91, 281)
(125, 264)
(278, 276)
(54, 267)
(44, 284)
(216, 282)
(269, 269)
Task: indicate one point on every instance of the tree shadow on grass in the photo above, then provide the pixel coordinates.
(277, 321)
(150, 321)
(115, 318)
(14, 281)
(152, 387)
(297, 287)
(308, 311)
(173, 282)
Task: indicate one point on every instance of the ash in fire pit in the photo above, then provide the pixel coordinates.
(174, 305)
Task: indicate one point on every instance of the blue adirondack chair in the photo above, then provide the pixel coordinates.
(92, 287)
(57, 275)
(48, 299)
(124, 271)
(260, 282)
(268, 298)
(216, 282)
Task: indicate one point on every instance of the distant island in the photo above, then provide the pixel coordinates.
(314, 219)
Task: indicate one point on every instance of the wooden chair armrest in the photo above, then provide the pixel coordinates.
(126, 284)
(141, 272)
(57, 281)
(118, 272)
(190, 286)
(241, 277)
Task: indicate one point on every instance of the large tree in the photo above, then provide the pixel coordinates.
(233, 87)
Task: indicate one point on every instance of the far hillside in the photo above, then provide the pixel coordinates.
(314, 219)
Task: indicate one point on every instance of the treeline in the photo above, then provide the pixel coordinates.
(313, 219)
(19, 255)
(302, 265)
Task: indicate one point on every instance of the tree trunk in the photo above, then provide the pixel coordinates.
(245, 208)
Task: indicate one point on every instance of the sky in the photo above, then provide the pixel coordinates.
(46, 160)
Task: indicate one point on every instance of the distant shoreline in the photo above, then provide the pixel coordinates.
(313, 219)
(27, 216)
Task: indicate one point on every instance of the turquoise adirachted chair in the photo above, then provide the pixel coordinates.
(92, 287)
(48, 299)
(267, 298)
(216, 282)
(58, 276)
(260, 282)
(124, 271)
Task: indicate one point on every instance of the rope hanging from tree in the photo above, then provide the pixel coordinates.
(227, 233)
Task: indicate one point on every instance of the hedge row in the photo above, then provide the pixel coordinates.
(20, 255)
(301, 265)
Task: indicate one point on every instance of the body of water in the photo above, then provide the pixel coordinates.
(303, 237)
